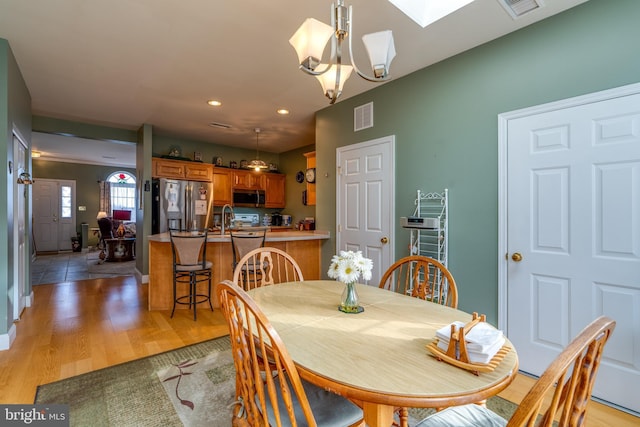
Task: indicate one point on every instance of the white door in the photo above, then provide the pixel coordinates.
(365, 207)
(573, 203)
(45, 215)
(53, 214)
(20, 194)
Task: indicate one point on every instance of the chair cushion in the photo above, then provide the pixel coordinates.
(466, 415)
(328, 408)
(195, 267)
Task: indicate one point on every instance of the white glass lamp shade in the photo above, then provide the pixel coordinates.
(381, 50)
(328, 79)
(310, 40)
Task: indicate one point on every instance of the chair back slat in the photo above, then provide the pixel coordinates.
(266, 266)
(568, 380)
(422, 277)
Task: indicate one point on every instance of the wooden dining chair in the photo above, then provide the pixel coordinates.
(266, 266)
(561, 394)
(280, 398)
(422, 277)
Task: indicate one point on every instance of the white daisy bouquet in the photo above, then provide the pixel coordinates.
(349, 265)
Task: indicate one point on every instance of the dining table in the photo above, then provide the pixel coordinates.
(377, 358)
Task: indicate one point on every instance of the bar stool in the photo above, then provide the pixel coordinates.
(190, 265)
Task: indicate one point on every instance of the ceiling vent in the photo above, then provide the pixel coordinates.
(518, 8)
(363, 117)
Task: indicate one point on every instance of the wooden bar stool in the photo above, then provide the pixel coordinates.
(190, 266)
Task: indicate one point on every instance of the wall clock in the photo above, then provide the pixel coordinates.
(300, 177)
(311, 175)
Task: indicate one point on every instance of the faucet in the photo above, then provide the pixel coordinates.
(223, 219)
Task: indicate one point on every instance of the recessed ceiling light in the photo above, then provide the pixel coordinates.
(35, 154)
(214, 103)
(283, 111)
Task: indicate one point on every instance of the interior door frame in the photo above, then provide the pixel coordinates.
(503, 123)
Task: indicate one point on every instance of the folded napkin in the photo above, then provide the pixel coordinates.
(483, 341)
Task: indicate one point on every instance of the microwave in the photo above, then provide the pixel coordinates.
(249, 198)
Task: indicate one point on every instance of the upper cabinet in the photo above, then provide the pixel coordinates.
(248, 180)
(274, 190)
(222, 186)
(181, 169)
(310, 177)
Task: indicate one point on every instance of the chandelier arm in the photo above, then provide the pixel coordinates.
(353, 62)
(314, 72)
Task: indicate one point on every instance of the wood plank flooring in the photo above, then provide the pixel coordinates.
(80, 326)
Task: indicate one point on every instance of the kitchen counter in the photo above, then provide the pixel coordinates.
(304, 246)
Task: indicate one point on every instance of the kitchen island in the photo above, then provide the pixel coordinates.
(304, 246)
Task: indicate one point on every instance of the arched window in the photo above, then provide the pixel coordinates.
(123, 192)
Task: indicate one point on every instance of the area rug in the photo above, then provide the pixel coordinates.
(190, 386)
(97, 266)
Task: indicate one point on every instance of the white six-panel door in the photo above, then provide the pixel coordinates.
(365, 197)
(573, 203)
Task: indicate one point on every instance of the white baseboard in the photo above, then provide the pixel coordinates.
(7, 339)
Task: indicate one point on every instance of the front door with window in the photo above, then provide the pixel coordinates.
(54, 221)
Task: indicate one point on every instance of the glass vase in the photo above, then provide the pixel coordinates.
(349, 300)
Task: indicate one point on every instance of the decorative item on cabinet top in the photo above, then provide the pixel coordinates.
(217, 160)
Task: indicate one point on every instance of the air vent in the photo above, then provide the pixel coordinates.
(220, 125)
(518, 8)
(363, 117)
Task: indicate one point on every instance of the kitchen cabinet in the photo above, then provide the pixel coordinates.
(311, 186)
(222, 186)
(248, 180)
(274, 190)
(181, 169)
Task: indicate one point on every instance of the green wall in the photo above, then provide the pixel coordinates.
(445, 121)
(15, 114)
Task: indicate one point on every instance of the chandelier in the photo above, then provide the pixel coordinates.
(310, 40)
(257, 164)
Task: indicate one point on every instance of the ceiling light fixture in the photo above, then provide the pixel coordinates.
(214, 103)
(282, 111)
(310, 40)
(257, 164)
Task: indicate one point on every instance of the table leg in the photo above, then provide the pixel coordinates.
(376, 415)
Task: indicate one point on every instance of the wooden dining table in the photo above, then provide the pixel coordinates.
(377, 358)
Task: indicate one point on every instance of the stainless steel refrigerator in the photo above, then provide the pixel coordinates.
(181, 205)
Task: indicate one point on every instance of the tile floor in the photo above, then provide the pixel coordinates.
(63, 267)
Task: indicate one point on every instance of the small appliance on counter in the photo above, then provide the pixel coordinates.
(276, 219)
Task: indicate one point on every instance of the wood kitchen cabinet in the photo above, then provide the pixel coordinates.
(222, 186)
(181, 169)
(311, 186)
(248, 180)
(274, 190)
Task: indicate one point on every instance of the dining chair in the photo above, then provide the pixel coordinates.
(560, 395)
(266, 266)
(190, 266)
(422, 277)
(280, 398)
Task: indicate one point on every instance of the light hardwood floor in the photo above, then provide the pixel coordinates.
(77, 327)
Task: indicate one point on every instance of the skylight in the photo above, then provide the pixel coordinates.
(425, 12)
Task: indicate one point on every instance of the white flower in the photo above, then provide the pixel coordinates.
(348, 266)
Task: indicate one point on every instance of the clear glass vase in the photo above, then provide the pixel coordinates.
(349, 300)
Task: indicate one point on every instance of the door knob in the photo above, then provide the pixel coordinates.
(384, 240)
(517, 257)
